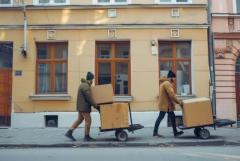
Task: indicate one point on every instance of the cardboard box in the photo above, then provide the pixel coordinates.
(197, 112)
(102, 93)
(114, 116)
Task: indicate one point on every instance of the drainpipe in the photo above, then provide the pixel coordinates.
(211, 60)
(24, 50)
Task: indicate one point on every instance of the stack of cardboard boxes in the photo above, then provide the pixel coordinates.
(113, 115)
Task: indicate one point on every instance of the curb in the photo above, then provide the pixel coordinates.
(122, 144)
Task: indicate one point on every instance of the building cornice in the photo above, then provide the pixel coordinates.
(17, 7)
(36, 7)
(11, 27)
(232, 35)
(225, 15)
(107, 26)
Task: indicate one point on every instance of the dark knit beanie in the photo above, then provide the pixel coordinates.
(89, 76)
(171, 74)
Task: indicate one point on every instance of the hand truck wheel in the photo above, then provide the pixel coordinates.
(121, 135)
(204, 134)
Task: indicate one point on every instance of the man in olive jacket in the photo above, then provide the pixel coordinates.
(84, 103)
(167, 100)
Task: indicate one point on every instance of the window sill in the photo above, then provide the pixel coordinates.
(51, 4)
(174, 2)
(122, 98)
(50, 97)
(111, 4)
(6, 5)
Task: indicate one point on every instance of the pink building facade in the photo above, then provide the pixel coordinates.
(226, 35)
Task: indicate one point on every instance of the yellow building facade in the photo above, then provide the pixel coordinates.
(129, 44)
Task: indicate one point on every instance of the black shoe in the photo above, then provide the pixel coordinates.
(178, 133)
(69, 135)
(88, 138)
(158, 135)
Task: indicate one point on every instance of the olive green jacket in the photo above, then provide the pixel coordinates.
(84, 97)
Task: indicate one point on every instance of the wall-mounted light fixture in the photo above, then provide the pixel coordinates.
(154, 50)
(153, 43)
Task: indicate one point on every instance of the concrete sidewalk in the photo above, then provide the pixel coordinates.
(54, 137)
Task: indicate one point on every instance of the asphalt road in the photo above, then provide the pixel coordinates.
(225, 153)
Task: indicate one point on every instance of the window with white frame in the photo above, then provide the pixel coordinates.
(51, 2)
(109, 2)
(173, 1)
(5, 2)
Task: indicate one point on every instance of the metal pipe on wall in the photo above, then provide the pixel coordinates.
(24, 51)
(211, 57)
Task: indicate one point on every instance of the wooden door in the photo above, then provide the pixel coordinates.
(238, 95)
(5, 96)
(6, 53)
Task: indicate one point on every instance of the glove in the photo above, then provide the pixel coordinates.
(181, 104)
(98, 108)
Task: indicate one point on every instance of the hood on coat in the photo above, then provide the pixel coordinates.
(83, 80)
(163, 79)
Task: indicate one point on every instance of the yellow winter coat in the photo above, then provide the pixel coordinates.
(167, 96)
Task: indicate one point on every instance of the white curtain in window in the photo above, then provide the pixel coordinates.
(43, 78)
(121, 78)
(60, 78)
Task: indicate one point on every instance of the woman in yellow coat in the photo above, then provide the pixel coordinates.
(167, 101)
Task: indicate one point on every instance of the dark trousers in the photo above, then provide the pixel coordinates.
(161, 115)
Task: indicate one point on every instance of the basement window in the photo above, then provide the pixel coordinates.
(51, 120)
